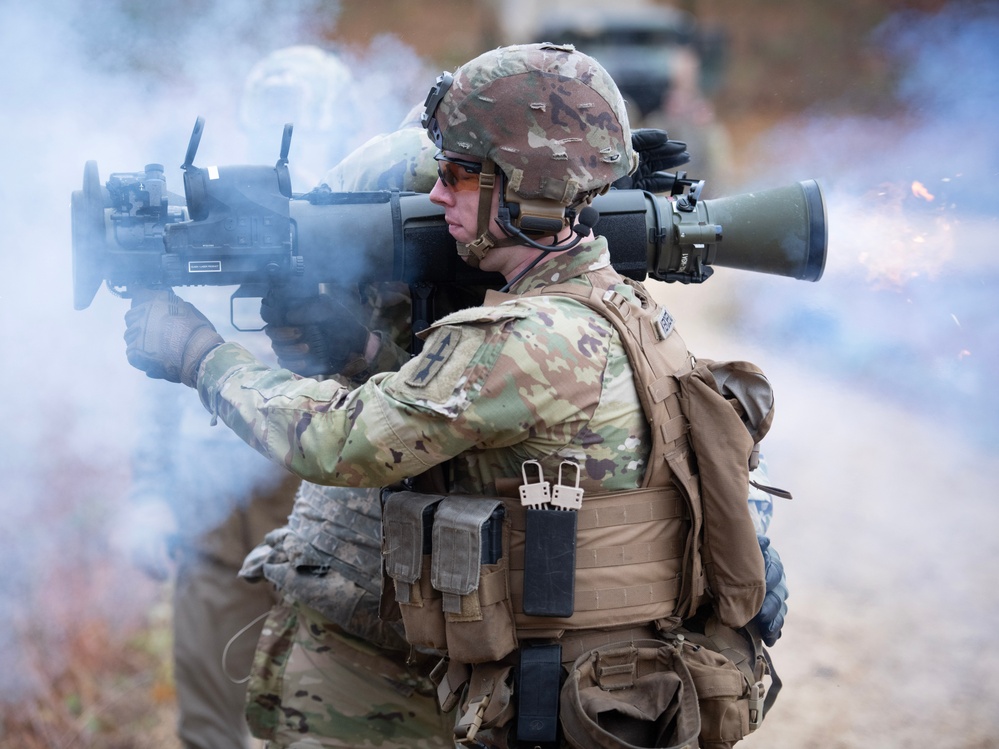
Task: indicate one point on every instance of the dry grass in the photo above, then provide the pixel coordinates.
(104, 688)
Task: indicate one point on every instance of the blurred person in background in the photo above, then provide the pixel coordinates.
(691, 116)
(199, 502)
(328, 670)
(313, 89)
(666, 63)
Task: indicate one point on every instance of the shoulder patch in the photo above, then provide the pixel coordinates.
(435, 353)
(509, 311)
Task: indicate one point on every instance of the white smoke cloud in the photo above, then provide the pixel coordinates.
(121, 83)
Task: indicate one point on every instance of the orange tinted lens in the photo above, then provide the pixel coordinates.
(456, 177)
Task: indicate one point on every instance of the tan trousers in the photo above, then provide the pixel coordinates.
(211, 605)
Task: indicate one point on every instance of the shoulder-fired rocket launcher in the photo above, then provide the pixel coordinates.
(242, 225)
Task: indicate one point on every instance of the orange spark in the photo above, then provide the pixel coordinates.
(920, 191)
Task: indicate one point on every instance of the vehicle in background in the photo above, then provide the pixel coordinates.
(667, 65)
(641, 48)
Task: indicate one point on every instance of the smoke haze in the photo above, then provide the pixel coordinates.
(886, 425)
(122, 84)
(906, 308)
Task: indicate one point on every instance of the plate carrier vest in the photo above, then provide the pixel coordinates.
(655, 554)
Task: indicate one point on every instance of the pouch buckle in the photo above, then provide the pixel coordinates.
(470, 723)
(756, 694)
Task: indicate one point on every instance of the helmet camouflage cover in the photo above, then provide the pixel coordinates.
(550, 117)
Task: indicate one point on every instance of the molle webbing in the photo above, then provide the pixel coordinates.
(629, 560)
(683, 400)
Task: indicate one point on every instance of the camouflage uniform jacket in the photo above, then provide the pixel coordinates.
(534, 378)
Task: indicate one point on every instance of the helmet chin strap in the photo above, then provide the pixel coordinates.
(473, 252)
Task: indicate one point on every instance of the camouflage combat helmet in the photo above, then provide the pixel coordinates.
(550, 117)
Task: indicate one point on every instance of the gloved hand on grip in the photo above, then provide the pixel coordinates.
(656, 154)
(312, 336)
(770, 619)
(168, 338)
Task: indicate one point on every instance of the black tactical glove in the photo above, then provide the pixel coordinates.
(314, 335)
(168, 338)
(656, 154)
(770, 619)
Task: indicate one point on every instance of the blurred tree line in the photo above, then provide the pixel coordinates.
(783, 57)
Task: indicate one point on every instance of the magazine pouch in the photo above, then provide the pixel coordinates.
(470, 571)
(407, 537)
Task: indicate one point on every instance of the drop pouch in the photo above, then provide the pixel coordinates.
(630, 695)
(728, 668)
